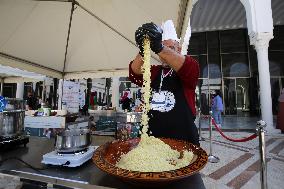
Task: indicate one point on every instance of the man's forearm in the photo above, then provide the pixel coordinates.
(137, 64)
(172, 58)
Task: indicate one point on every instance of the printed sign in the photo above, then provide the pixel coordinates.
(71, 96)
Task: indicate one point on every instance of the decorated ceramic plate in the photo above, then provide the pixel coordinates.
(106, 156)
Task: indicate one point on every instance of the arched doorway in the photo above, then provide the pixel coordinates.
(221, 46)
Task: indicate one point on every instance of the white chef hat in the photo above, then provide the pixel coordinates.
(169, 31)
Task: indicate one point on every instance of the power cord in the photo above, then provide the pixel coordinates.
(22, 161)
(29, 165)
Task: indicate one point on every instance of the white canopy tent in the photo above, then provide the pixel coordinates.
(33, 34)
(14, 75)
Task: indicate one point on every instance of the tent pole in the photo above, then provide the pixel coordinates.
(68, 36)
(66, 49)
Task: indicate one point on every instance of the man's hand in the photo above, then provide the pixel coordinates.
(155, 34)
(139, 37)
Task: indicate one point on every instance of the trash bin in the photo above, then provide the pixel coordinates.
(280, 117)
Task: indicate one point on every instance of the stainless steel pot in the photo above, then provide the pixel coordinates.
(72, 140)
(12, 123)
(12, 118)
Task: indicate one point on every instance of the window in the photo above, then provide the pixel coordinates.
(213, 42)
(253, 61)
(214, 66)
(230, 96)
(233, 41)
(235, 65)
(276, 63)
(197, 44)
(277, 43)
(202, 98)
(9, 90)
(202, 60)
(275, 93)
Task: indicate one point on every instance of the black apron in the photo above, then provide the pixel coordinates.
(177, 123)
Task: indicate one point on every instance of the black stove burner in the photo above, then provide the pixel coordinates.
(7, 138)
(74, 152)
(12, 141)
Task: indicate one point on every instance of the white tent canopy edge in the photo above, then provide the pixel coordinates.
(94, 49)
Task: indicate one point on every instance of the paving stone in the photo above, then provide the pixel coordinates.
(213, 184)
(246, 175)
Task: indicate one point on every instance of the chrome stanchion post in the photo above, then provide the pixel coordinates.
(211, 157)
(199, 124)
(263, 166)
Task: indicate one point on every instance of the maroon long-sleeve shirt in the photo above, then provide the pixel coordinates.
(188, 73)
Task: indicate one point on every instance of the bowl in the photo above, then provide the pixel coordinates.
(106, 156)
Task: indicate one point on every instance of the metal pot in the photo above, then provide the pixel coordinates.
(72, 140)
(12, 123)
(12, 118)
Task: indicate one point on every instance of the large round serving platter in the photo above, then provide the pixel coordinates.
(106, 156)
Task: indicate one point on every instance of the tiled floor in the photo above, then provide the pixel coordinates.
(239, 166)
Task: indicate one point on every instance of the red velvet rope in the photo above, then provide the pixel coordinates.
(253, 136)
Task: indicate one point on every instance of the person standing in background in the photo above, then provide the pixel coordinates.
(31, 102)
(39, 101)
(217, 108)
(125, 101)
(93, 101)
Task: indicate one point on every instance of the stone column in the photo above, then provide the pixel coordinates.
(20, 90)
(115, 92)
(261, 43)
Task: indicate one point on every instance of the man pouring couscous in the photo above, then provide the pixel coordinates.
(173, 83)
(168, 95)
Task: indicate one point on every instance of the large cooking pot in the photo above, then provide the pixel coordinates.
(12, 123)
(73, 140)
(12, 118)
